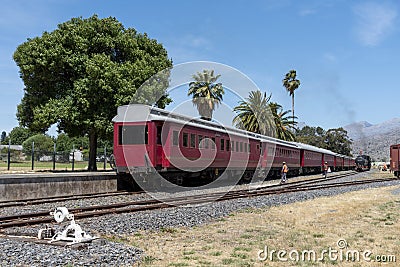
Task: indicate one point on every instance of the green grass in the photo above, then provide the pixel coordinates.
(216, 253)
(168, 230)
(190, 252)
(178, 264)
(318, 235)
(149, 260)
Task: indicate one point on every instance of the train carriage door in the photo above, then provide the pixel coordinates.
(159, 145)
(395, 159)
(398, 160)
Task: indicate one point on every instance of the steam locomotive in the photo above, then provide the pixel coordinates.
(363, 163)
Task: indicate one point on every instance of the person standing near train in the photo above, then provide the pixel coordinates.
(284, 172)
(325, 168)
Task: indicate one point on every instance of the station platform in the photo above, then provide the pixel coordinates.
(39, 185)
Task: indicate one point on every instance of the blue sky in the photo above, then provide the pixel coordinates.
(345, 52)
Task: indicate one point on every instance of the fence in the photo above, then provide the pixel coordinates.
(37, 160)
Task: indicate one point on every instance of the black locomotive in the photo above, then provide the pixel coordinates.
(363, 163)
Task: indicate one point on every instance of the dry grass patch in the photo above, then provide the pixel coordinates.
(367, 220)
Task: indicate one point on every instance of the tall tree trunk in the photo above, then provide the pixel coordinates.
(92, 150)
(293, 107)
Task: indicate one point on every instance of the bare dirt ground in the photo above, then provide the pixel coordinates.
(353, 229)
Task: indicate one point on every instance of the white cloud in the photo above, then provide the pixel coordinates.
(374, 22)
(307, 12)
(330, 57)
(194, 41)
(188, 47)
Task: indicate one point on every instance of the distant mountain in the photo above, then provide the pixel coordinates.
(374, 139)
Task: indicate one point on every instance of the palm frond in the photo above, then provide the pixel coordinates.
(206, 93)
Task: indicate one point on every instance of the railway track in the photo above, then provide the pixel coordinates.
(37, 201)
(141, 205)
(312, 181)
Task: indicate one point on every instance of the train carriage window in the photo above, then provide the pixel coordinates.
(206, 141)
(249, 148)
(222, 144)
(175, 139)
(200, 141)
(245, 147)
(227, 145)
(213, 143)
(185, 141)
(159, 130)
(271, 151)
(237, 146)
(132, 135)
(241, 146)
(233, 145)
(192, 140)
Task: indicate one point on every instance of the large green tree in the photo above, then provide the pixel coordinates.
(284, 124)
(335, 140)
(311, 135)
(3, 137)
(291, 83)
(254, 115)
(206, 93)
(43, 145)
(338, 141)
(18, 135)
(77, 75)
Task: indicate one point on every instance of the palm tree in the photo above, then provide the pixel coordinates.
(254, 114)
(284, 125)
(291, 84)
(207, 94)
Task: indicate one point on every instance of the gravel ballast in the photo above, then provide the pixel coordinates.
(17, 253)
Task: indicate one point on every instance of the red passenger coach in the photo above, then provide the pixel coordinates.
(311, 158)
(339, 162)
(148, 139)
(349, 163)
(329, 158)
(277, 152)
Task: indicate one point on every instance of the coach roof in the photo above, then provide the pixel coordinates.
(141, 113)
(315, 149)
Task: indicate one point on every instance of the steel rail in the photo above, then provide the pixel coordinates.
(18, 220)
(151, 201)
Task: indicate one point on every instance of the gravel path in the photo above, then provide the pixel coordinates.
(116, 254)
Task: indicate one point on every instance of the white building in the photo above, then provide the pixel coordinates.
(76, 155)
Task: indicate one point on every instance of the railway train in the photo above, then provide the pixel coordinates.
(179, 147)
(395, 159)
(363, 163)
